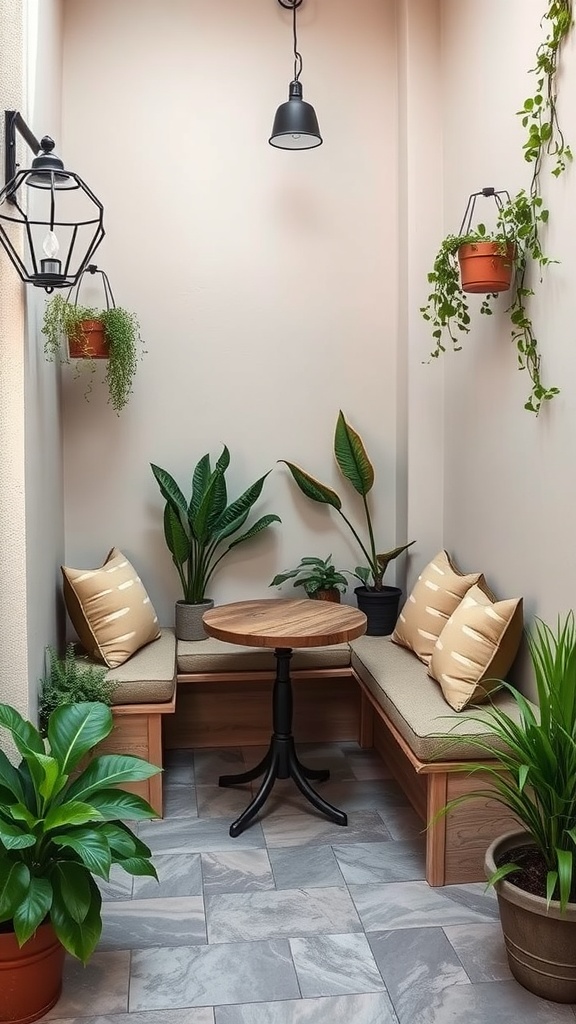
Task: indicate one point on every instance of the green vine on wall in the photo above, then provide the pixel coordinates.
(539, 116)
(518, 223)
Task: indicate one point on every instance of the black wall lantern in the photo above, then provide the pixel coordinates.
(295, 125)
(61, 217)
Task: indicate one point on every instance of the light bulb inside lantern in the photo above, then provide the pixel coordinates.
(51, 247)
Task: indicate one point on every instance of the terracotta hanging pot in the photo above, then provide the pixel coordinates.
(484, 267)
(30, 977)
(89, 341)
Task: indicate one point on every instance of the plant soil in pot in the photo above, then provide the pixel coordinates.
(485, 267)
(88, 341)
(540, 941)
(31, 976)
(380, 608)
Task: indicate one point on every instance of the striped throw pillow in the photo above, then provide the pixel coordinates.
(110, 609)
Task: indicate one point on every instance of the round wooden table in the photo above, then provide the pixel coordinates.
(283, 625)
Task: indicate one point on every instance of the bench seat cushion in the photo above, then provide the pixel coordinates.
(149, 676)
(213, 655)
(416, 706)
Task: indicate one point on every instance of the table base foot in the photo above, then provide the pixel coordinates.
(281, 762)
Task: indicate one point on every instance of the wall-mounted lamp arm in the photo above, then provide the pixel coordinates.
(14, 122)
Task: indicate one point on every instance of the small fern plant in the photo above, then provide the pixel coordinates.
(71, 679)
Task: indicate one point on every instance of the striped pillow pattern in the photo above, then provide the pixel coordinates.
(110, 609)
(476, 648)
(436, 594)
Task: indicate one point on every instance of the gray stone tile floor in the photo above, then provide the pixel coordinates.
(297, 921)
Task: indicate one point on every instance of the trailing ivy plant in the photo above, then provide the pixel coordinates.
(519, 221)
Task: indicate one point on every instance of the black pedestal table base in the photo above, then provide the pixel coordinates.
(281, 760)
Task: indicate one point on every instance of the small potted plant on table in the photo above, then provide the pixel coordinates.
(318, 576)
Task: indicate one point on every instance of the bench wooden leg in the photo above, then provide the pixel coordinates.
(436, 830)
(366, 738)
(141, 736)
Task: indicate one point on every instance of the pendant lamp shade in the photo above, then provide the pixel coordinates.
(295, 125)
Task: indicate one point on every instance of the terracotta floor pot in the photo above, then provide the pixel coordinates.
(89, 342)
(540, 941)
(31, 977)
(484, 269)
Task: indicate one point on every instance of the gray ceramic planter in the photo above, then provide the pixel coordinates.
(188, 620)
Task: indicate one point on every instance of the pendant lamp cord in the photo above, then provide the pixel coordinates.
(297, 56)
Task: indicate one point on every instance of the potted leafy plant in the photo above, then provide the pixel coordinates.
(84, 333)
(378, 602)
(195, 531)
(534, 776)
(62, 822)
(71, 679)
(320, 579)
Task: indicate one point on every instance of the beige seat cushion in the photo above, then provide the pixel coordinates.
(110, 609)
(401, 686)
(476, 648)
(149, 676)
(213, 655)
(437, 593)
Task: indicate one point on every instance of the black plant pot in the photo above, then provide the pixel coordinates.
(380, 608)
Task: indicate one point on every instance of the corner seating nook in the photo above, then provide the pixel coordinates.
(370, 690)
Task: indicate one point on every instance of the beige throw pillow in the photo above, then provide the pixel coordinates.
(110, 609)
(437, 593)
(476, 648)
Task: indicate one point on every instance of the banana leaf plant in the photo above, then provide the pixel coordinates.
(60, 825)
(355, 466)
(195, 530)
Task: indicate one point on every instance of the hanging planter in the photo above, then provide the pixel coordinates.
(84, 334)
(486, 267)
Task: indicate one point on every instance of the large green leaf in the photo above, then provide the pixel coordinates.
(200, 479)
(138, 866)
(242, 504)
(121, 842)
(14, 882)
(388, 556)
(233, 527)
(10, 778)
(80, 940)
(25, 736)
(312, 488)
(116, 805)
(223, 460)
(32, 909)
(177, 540)
(110, 770)
(169, 489)
(200, 522)
(219, 499)
(75, 729)
(73, 883)
(352, 457)
(260, 525)
(91, 848)
(72, 812)
(13, 837)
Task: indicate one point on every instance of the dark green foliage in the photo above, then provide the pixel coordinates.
(71, 679)
(314, 574)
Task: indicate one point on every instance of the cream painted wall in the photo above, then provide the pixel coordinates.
(510, 488)
(266, 281)
(44, 485)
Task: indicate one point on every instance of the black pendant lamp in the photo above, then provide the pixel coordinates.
(295, 125)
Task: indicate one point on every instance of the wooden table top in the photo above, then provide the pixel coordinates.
(282, 623)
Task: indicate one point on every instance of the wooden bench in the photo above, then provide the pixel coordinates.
(371, 691)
